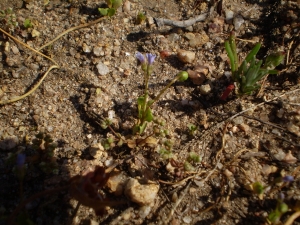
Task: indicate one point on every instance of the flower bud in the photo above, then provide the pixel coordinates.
(182, 76)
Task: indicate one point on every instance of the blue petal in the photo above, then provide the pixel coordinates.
(150, 58)
(140, 57)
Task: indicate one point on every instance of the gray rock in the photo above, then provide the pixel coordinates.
(102, 69)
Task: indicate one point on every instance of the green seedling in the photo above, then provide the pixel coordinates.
(8, 19)
(247, 74)
(276, 214)
(44, 146)
(192, 129)
(144, 103)
(27, 23)
(141, 18)
(193, 157)
(113, 5)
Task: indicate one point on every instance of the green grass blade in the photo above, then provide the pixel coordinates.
(253, 52)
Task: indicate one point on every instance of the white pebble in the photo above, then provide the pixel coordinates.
(102, 69)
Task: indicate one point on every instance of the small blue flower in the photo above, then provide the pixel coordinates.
(288, 178)
(150, 58)
(20, 159)
(140, 57)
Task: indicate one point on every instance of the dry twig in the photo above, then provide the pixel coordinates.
(184, 23)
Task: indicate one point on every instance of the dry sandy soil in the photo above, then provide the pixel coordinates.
(99, 77)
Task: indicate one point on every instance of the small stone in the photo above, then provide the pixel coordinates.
(238, 120)
(189, 36)
(293, 128)
(126, 6)
(289, 158)
(142, 194)
(228, 15)
(237, 22)
(244, 127)
(97, 51)
(6, 47)
(196, 78)
(34, 66)
(15, 50)
(144, 211)
(102, 69)
(116, 182)
(96, 150)
(187, 219)
(205, 89)
(173, 37)
(186, 56)
(150, 20)
(86, 48)
(199, 40)
(35, 33)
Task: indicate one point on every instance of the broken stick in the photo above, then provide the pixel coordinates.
(184, 23)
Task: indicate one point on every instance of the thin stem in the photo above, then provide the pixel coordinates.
(163, 91)
(72, 29)
(292, 218)
(31, 91)
(27, 46)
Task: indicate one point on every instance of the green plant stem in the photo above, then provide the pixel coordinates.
(147, 75)
(163, 91)
(233, 48)
(32, 198)
(231, 57)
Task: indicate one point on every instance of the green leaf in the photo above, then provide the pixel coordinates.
(111, 12)
(116, 4)
(141, 105)
(148, 115)
(273, 60)
(253, 52)
(27, 23)
(103, 11)
(109, 3)
(258, 188)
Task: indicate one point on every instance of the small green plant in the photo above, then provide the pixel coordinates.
(8, 19)
(44, 146)
(281, 208)
(144, 104)
(247, 74)
(141, 18)
(192, 129)
(27, 23)
(113, 5)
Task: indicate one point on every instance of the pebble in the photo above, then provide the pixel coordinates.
(102, 69)
(229, 15)
(237, 22)
(186, 56)
(97, 51)
(196, 77)
(35, 33)
(116, 182)
(144, 211)
(86, 48)
(142, 194)
(199, 40)
(173, 37)
(15, 50)
(187, 219)
(205, 89)
(96, 150)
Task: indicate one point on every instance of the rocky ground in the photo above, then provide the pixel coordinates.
(240, 141)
